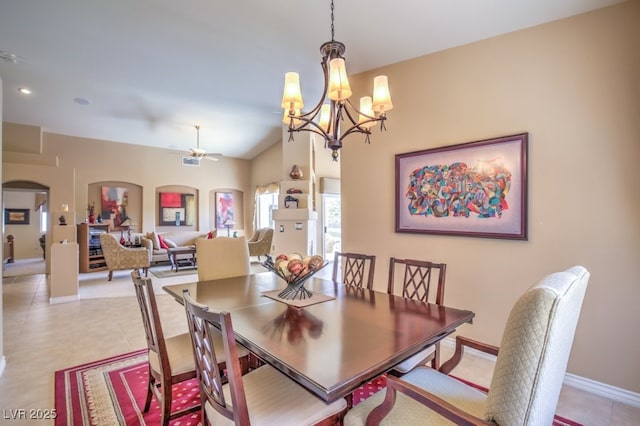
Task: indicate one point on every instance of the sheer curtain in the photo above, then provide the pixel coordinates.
(269, 188)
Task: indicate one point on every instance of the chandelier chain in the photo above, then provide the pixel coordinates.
(332, 27)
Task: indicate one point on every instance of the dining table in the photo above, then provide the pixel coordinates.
(333, 342)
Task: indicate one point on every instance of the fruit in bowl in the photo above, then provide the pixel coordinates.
(294, 267)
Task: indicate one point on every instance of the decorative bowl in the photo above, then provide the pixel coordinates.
(294, 277)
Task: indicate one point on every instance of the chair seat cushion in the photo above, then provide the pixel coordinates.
(416, 360)
(181, 353)
(407, 410)
(275, 399)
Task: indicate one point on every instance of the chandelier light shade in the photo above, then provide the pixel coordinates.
(334, 117)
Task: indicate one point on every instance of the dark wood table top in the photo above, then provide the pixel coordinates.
(332, 347)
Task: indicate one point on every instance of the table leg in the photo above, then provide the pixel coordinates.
(174, 262)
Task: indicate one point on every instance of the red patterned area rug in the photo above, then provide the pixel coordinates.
(379, 383)
(112, 391)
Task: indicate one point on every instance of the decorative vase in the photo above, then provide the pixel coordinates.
(92, 219)
(295, 172)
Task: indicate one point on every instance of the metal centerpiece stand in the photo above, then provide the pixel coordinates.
(295, 282)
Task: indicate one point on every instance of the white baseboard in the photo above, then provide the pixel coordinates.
(598, 388)
(602, 389)
(3, 364)
(65, 299)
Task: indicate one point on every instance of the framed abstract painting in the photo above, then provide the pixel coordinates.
(177, 209)
(474, 189)
(224, 210)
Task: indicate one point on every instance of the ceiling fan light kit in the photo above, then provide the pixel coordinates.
(334, 110)
(196, 154)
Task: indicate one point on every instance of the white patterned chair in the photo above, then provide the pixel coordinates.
(222, 257)
(119, 258)
(530, 367)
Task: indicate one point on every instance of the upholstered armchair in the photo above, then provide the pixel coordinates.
(527, 378)
(260, 242)
(120, 258)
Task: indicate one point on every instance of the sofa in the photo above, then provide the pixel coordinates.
(157, 253)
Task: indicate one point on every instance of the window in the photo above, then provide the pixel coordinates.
(265, 204)
(43, 220)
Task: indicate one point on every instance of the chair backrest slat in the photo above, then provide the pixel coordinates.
(416, 279)
(203, 323)
(151, 319)
(357, 269)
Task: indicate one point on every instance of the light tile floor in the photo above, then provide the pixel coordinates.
(40, 338)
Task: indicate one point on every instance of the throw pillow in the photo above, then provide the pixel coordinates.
(163, 244)
(212, 234)
(170, 243)
(154, 239)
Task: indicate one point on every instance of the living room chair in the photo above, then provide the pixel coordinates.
(260, 242)
(119, 258)
(222, 257)
(357, 269)
(414, 278)
(530, 368)
(263, 396)
(170, 359)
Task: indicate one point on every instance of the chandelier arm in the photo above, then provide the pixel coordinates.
(355, 129)
(357, 125)
(307, 125)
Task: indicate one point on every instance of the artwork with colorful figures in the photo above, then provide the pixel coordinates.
(471, 189)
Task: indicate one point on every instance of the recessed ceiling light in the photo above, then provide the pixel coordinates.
(81, 101)
(24, 90)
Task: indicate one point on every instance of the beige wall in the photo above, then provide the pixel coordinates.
(573, 85)
(151, 168)
(82, 162)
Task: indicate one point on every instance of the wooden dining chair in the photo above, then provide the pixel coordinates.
(413, 279)
(222, 257)
(170, 358)
(357, 269)
(527, 378)
(263, 396)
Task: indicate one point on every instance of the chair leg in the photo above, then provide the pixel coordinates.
(147, 402)
(435, 361)
(110, 275)
(244, 364)
(165, 406)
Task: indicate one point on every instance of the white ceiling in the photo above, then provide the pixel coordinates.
(152, 69)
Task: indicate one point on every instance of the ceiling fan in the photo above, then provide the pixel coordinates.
(196, 154)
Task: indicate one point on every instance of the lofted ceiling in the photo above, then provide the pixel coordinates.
(147, 71)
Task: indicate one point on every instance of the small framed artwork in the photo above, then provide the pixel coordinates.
(473, 189)
(16, 216)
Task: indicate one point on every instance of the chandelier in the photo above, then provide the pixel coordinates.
(335, 117)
